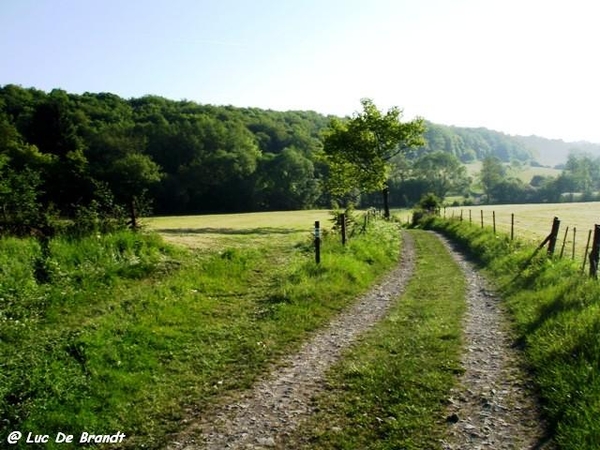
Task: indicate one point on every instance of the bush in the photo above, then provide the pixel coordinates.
(428, 206)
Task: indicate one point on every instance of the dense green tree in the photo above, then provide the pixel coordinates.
(359, 150)
(584, 170)
(443, 172)
(130, 176)
(288, 181)
(512, 190)
(493, 172)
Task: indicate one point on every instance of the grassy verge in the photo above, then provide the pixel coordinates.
(556, 312)
(389, 390)
(127, 334)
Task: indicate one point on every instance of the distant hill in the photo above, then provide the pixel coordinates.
(554, 152)
(473, 144)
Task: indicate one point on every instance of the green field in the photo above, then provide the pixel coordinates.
(532, 222)
(216, 231)
(528, 173)
(524, 173)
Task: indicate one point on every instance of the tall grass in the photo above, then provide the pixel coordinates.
(124, 333)
(44, 320)
(556, 311)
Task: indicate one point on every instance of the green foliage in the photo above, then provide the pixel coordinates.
(430, 202)
(491, 175)
(192, 158)
(470, 144)
(287, 181)
(442, 173)
(428, 206)
(187, 157)
(358, 151)
(557, 318)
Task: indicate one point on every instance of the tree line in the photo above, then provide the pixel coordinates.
(578, 181)
(96, 155)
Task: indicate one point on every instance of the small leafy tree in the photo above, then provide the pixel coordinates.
(358, 151)
(492, 174)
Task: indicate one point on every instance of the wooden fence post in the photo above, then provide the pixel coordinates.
(494, 221)
(317, 242)
(482, 218)
(512, 226)
(595, 252)
(553, 236)
(564, 242)
(573, 250)
(470, 219)
(461, 215)
(343, 226)
(587, 248)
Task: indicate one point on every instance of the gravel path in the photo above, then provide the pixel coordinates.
(493, 408)
(276, 404)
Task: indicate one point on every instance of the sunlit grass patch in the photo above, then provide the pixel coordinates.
(219, 231)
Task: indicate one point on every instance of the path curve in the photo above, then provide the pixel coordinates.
(493, 407)
(276, 404)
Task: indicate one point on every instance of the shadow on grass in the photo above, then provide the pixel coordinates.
(232, 231)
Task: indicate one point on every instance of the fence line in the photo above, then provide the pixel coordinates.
(512, 227)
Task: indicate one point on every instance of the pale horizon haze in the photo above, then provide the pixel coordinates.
(520, 67)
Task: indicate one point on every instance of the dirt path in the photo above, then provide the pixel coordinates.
(493, 408)
(276, 404)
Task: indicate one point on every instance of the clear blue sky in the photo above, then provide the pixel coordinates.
(518, 66)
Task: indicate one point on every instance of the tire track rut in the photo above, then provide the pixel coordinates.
(494, 406)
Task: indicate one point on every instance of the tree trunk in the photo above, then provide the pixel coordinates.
(386, 202)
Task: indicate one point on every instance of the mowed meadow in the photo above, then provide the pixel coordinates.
(217, 231)
(533, 222)
(135, 332)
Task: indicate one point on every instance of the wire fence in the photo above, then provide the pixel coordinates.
(579, 244)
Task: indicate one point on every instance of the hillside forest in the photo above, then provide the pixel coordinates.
(97, 155)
